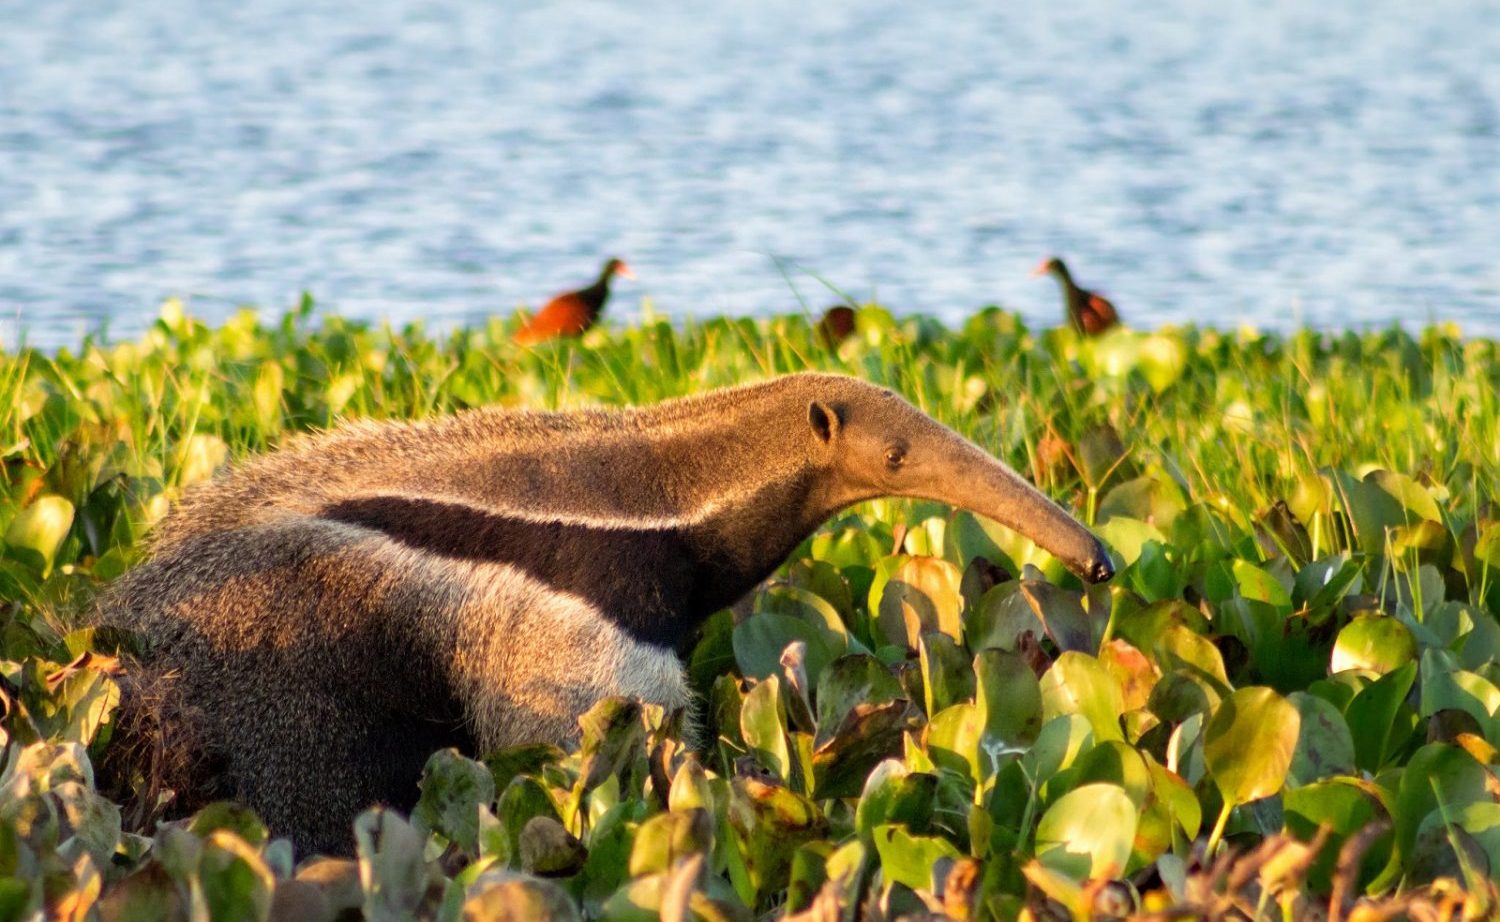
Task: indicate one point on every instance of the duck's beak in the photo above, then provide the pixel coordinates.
(624, 271)
(1041, 268)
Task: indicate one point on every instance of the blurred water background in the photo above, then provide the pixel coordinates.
(1336, 164)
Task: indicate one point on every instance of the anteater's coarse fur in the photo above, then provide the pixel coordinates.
(335, 611)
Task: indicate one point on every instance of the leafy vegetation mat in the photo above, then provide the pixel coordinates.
(1287, 704)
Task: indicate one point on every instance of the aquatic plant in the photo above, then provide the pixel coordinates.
(1287, 701)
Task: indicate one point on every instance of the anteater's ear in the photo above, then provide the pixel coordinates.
(824, 420)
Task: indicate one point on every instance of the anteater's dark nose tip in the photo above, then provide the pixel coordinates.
(1101, 570)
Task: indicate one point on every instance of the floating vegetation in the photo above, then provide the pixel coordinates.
(1286, 705)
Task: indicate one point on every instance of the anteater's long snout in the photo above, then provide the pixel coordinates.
(986, 486)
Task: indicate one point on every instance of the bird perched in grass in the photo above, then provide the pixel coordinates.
(1088, 312)
(570, 313)
(836, 325)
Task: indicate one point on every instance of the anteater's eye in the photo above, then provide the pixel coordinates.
(895, 456)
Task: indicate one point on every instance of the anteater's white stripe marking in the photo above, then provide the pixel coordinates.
(529, 659)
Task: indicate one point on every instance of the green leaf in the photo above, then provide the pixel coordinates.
(1325, 747)
(1378, 643)
(453, 790)
(1088, 833)
(894, 794)
(947, 676)
(763, 725)
(760, 639)
(1346, 806)
(1077, 684)
(848, 681)
(908, 859)
(953, 740)
(391, 866)
(41, 527)
(236, 882)
(867, 734)
(1061, 614)
(1008, 698)
(1062, 740)
(1249, 742)
(1437, 774)
(923, 595)
(1372, 713)
(1459, 689)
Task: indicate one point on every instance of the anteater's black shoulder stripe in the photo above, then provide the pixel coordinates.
(617, 568)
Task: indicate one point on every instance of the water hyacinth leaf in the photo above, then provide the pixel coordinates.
(952, 739)
(1008, 698)
(1182, 693)
(1325, 747)
(895, 794)
(1323, 583)
(922, 596)
(606, 867)
(947, 677)
(201, 455)
(1372, 716)
(1177, 647)
(825, 581)
(505, 896)
(1155, 500)
(848, 681)
(763, 726)
(229, 817)
(548, 849)
(847, 547)
(926, 537)
(1378, 643)
(1077, 684)
(1126, 537)
(1345, 806)
(612, 740)
(1062, 740)
(523, 799)
(805, 605)
(867, 734)
(1154, 574)
(909, 859)
(1142, 626)
(93, 820)
(1088, 833)
(1118, 763)
(665, 838)
(1061, 614)
(967, 540)
(1176, 799)
(526, 759)
(1000, 617)
(1249, 742)
(1133, 672)
(808, 875)
(453, 789)
(760, 639)
(1479, 820)
(40, 528)
(768, 822)
(1437, 774)
(392, 870)
(236, 883)
(1459, 689)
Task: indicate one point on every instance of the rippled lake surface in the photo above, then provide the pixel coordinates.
(1335, 163)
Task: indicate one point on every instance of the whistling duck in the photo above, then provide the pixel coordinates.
(570, 313)
(836, 325)
(1089, 313)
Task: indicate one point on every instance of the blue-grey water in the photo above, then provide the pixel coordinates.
(1332, 163)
